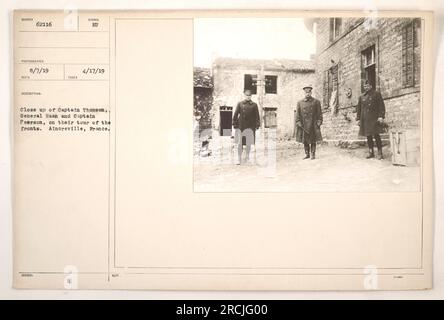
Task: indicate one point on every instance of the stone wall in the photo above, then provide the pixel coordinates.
(229, 86)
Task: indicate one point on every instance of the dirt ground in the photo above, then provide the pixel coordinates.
(334, 170)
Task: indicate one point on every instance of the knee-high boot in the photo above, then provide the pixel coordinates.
(379, 146)
(307, 151)
(313, 151)
(371, 152)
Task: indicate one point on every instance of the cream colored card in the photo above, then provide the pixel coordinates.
(125, 155)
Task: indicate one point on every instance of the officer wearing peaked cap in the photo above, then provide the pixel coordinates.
(370, 115)
(308, 122)
(246, 121)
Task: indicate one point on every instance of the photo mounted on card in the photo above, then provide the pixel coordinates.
(223, 150)
(323, 104)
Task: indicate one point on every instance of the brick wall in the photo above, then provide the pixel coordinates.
(402, 104)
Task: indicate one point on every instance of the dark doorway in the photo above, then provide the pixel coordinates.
(226, 121)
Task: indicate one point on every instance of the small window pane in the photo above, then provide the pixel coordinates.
(369, 56)
(335, 28)
(250, 83)
(271, 84)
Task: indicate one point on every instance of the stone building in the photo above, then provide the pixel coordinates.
(385, 51)
(276, 86)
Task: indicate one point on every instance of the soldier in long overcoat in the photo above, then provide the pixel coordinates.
(370, 115)
(308, 121)
(246, 121)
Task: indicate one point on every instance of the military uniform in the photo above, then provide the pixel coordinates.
(308, 122)
(246, 116)
(246, 120)
(370, 108)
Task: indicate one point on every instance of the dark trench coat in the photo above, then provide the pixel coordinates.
(370, 107)
(246, 120)
(308, 121)
(246, 116)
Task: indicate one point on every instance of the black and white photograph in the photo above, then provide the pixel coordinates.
(329, 104)
(282, 151)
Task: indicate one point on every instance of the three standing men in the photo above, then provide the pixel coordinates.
(246, 121)
(308, 122)
(370, 115)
